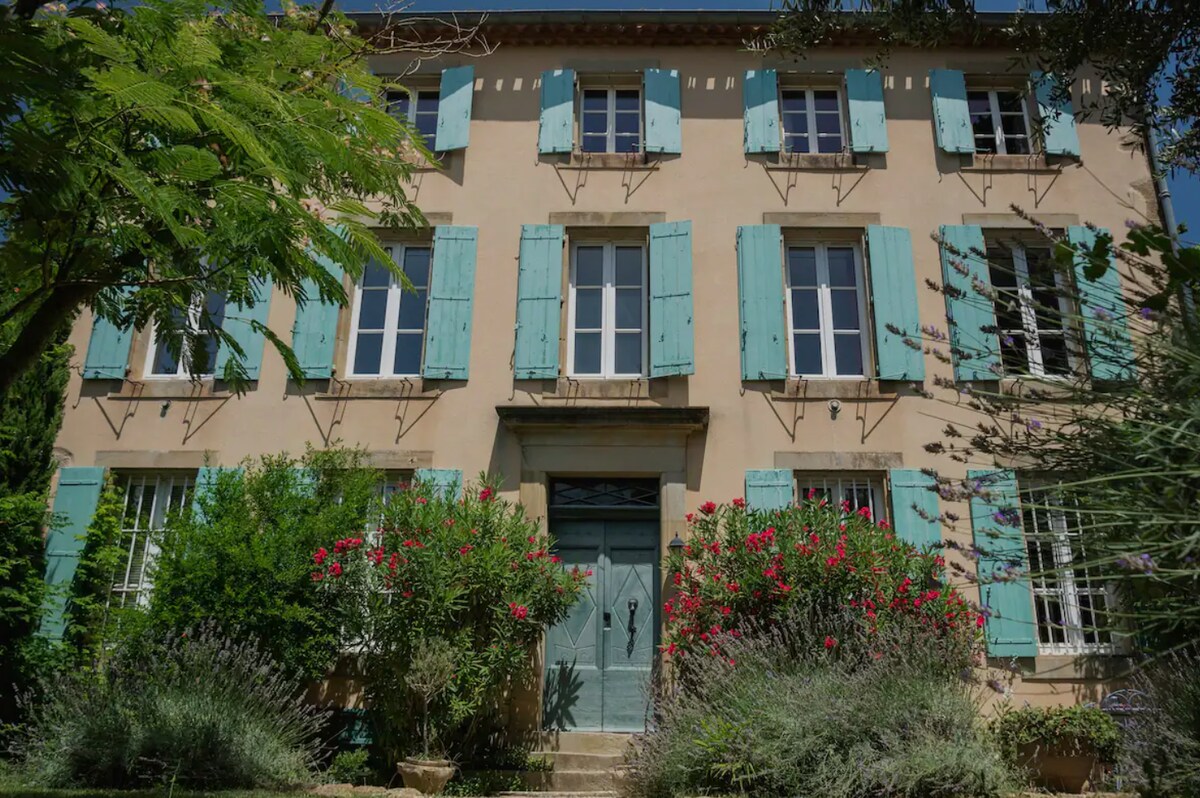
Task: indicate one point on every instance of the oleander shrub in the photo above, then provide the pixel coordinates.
(197, 710)
(744, 569)
(1162, 743)
(868, 715)
(475, 573)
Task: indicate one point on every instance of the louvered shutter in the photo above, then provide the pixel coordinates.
(976, 351)
(448, 338)
(539, 301)
(1004, 588)
(894, 303)
(671, 341)
(951, 117)
(761, 306)
(864, 104)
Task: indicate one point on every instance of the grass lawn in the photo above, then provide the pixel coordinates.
(16, 791)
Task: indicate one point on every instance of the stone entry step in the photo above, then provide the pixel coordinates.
(583, 764)
(584, 742)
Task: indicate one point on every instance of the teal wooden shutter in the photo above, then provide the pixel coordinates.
(108, 351)
(894, 301)
(452, 285)
(239, 323)
(760, 302)
(74, 505)
(1059, 136)
(315, 331)
(915, 508)
(663, 114)
(206, 483)
(539, 301)
(446, 482)
(950, 116)
(976, 352)
(1004, 588)
(864, 101)
(671, 341)
(769, 488)
(1106, 336)
(454, 109)
(556, 126)
(760, 99)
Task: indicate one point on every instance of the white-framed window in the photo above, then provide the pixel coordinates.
(419, 108)
(1033, 311)
(387, 322)
(610, 119)
(162, 363)
(826, 310)
(811, 120)
(607, 310)
(858, 488)
(149, 498)
(1073, 604)
(1000, 120)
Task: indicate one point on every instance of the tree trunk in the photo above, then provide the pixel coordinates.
(39, 331)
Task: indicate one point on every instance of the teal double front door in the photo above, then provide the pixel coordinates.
(599, 659)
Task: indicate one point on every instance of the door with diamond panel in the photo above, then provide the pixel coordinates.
(599, 659)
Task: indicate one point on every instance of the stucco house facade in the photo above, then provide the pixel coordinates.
(661, 269)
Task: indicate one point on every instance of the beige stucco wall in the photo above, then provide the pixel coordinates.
(499, 183)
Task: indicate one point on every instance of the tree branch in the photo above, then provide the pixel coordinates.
(39, 332)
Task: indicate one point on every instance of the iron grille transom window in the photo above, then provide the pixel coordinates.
(1072, 602)
(149, 499)
(604, 492)
(857, 488)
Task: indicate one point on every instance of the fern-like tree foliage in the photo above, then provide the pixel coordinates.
(1145, 51)
(154, 154)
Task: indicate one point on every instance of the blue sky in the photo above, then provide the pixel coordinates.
(1185, 188)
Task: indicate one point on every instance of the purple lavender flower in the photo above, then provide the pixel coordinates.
(1146, 313)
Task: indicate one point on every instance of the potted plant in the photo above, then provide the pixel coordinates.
(1061, 747)
(429, 675)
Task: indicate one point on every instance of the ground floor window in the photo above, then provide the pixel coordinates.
(150, 497)
(855, 490)
(1071, 600)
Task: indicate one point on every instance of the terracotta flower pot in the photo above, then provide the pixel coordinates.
(427, 775)
(1061, 767)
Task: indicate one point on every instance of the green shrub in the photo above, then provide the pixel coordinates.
(1162, 743)
(22, 592)
(1075, 728)
(741, 568)
(350, 767)
(475, 573)
(197, 710)
(243, 560)
(870, 716)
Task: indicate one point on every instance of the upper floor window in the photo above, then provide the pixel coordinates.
(419, 108)
(607, 310)
(199, 359)
(826, 308)
(812, 120)
(1073, 605)
(611, 120)
(1032, 311)
(387, 321)
(1000, 121)
(855, 490)
(149, 499)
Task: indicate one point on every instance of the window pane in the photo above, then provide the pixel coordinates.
(629, 353)
(372, 309)
(804, 310)
(628, 100)
(802, 266)
(164, 362)
(595, 100)
(829, 123)
(1054, 355)
(1016, 146)
(408, 353)
(978, 103)
(1001, 268)
(841, 267)
(205, 355)
(589, 266)
(1009, 102)
(595, 123)
(412, 310)
(797, 144)
(416, 265)
(795, 123)
(592, 143)
(825, 100)
(845, 309)
(426, 125)
(807, 353)
(794, 101)
(587, 308)
(847, 349)
(829, 144)
(587, 353)
(1012, 353)
(214, 306)
(629, 266)
(626, 144)
(367, 353)
(629, 308)
(628, 123)
(376, 275)
(1013, 125)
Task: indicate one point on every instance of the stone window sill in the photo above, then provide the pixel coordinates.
(208, 388)
(609, 160)
(1013, 163)
(1033, 388)
(796, 389)
(568, 388)
(818, 162)
(415, 388)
